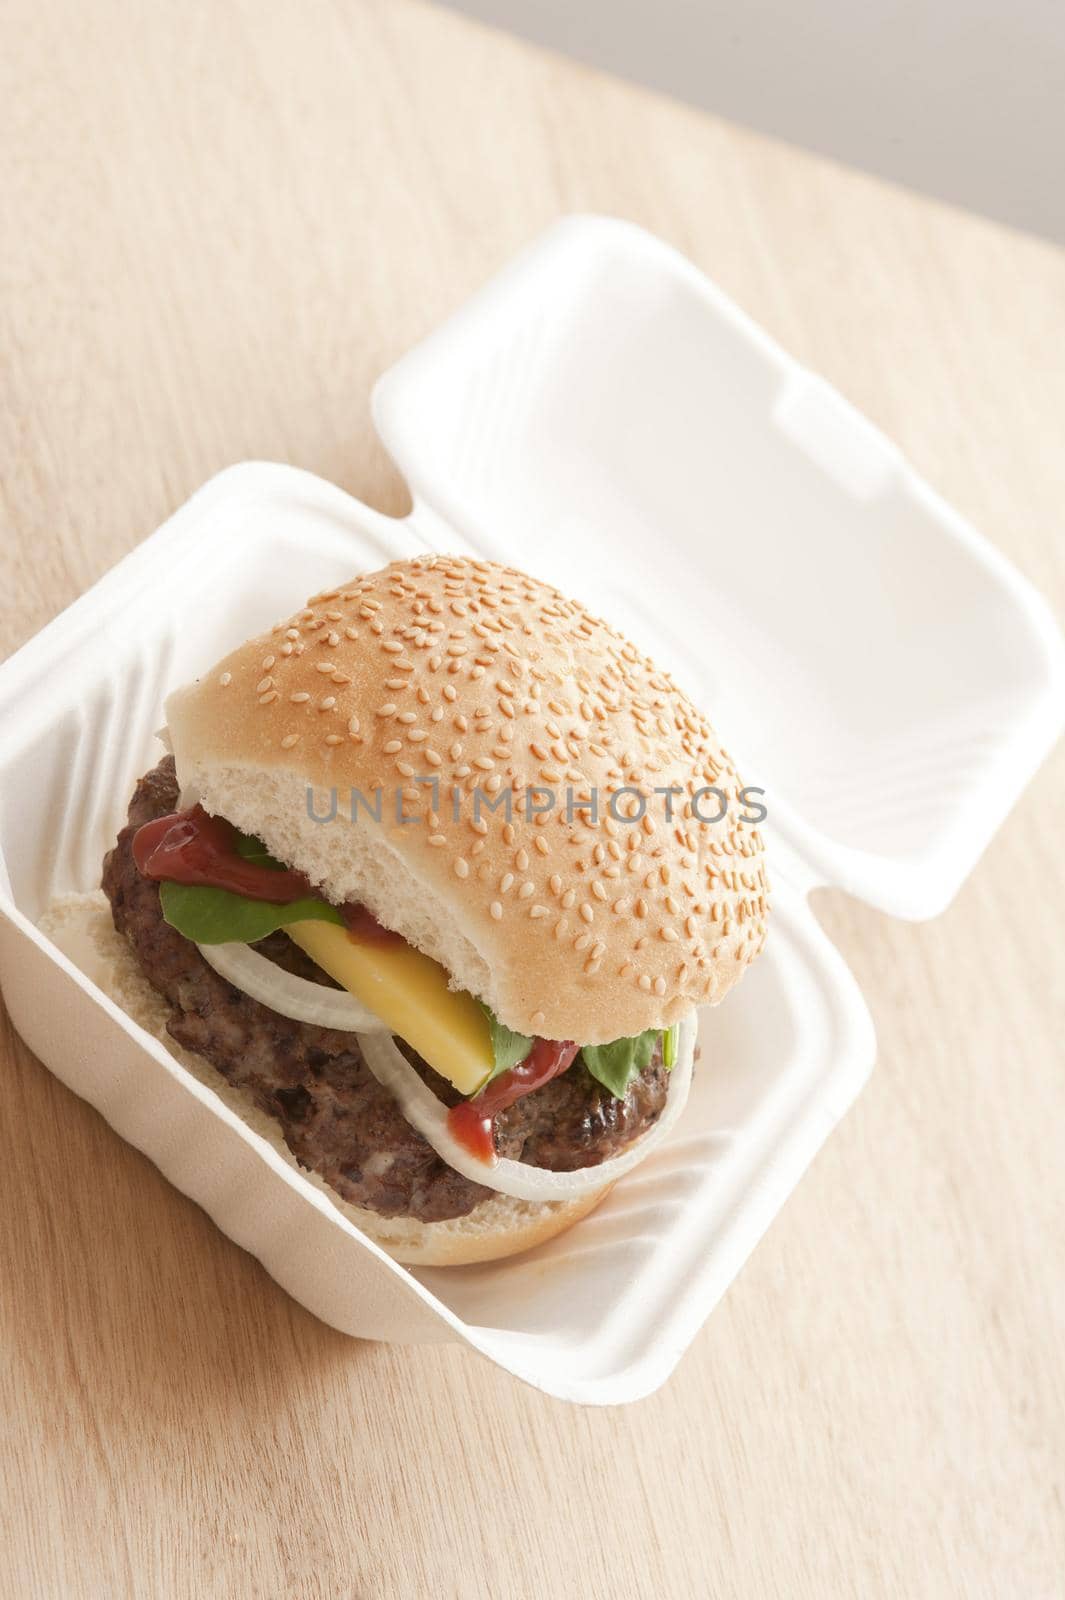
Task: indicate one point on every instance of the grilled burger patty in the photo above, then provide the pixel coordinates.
(335, 1117)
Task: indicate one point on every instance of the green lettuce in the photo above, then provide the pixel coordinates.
(218, 916)
(509, 1048)
(615, 1065)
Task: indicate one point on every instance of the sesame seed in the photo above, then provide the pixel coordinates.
(496, 910)
(462, 867)
(299, 697)
(334, 738)
(393, 747)
(289, 740)
(263, 685)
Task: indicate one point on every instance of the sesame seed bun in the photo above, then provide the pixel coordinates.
(585, 927)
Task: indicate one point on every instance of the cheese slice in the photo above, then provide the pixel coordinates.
(409, 992)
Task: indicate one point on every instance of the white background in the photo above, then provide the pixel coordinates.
(962, 98)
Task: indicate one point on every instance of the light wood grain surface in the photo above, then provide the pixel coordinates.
(220, 221)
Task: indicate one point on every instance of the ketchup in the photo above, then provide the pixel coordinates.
(364, 928)
(194, 847)
(471, 1120)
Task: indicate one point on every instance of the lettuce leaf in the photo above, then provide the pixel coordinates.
(253, 849)
(508, 1047)
(615, 1065)
(218, 916)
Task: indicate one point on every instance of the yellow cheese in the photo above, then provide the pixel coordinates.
(409, 992)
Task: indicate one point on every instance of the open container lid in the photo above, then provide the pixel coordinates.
(601, 414)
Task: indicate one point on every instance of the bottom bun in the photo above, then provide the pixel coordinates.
(496, 1228)
(81, 927)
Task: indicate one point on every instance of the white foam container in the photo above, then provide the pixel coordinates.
(602, 416)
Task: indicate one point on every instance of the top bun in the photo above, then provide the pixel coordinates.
(590, 926)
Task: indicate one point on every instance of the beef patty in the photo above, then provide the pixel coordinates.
(335, 1117)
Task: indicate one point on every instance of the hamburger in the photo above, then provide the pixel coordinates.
(435, 874)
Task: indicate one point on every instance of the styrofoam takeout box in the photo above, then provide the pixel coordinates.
(602, 416)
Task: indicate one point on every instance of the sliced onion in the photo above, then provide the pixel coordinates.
(425, 1112)
(287, 993)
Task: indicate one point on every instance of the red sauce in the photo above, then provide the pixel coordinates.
(194, 847)
(471, 1120)
(364, 927)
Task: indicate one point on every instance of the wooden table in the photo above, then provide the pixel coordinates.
(221, 221)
